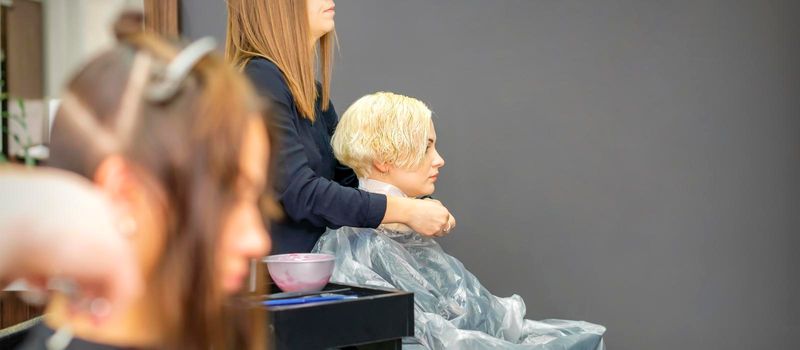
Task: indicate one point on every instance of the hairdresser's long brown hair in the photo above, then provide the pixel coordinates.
(190, 146)
(278, 30)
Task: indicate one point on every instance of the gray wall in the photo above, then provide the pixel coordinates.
(631, 163)
(200, 18)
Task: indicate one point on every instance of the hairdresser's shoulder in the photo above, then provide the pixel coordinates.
(267, 78)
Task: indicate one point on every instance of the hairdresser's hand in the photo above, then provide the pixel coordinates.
(55, 224)
(451, 220)
(430, 218)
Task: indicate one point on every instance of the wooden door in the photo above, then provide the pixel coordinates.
(22, 44)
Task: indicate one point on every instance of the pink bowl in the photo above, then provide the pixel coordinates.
(300, 272)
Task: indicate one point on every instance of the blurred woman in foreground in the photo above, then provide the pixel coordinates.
(176, 139)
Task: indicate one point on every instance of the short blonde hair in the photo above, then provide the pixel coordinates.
(382, 127)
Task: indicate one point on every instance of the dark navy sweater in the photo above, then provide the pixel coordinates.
(316, 191)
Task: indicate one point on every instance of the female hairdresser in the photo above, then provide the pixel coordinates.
(276, 42)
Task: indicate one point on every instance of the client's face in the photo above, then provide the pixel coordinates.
(419, 181)
(243, 234)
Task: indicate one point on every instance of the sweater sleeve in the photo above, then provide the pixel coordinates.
(306, 196)
(342, 174)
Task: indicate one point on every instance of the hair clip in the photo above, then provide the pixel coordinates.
(179, 68)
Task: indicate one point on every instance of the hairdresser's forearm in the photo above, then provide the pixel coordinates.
(398, 210)
(11, 237)
(43, 208)
(25, 198)
(20, 240)
(9, 223)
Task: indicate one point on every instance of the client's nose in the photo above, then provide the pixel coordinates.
(438, 161)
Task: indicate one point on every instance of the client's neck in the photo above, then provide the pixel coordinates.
(379, 186)
(135, 325)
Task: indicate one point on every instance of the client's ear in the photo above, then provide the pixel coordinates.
(381, 167)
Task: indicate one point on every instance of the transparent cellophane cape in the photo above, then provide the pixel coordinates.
(452, 310)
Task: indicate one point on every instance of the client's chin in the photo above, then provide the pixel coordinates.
(429, 190)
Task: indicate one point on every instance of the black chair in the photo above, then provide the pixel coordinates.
(12, 337)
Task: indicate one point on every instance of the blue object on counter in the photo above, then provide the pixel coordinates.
(306, 300)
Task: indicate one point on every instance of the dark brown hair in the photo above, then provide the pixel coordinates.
(190, 145)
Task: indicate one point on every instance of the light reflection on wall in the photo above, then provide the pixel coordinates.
(74, 31)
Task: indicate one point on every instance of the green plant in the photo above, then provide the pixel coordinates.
(21, 119)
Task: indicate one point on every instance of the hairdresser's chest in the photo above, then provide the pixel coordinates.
(316, 140)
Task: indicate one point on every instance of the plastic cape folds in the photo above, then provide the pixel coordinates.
(452, 310)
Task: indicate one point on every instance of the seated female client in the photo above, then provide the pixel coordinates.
(176, 139)
(390, 141)
(282, 45)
